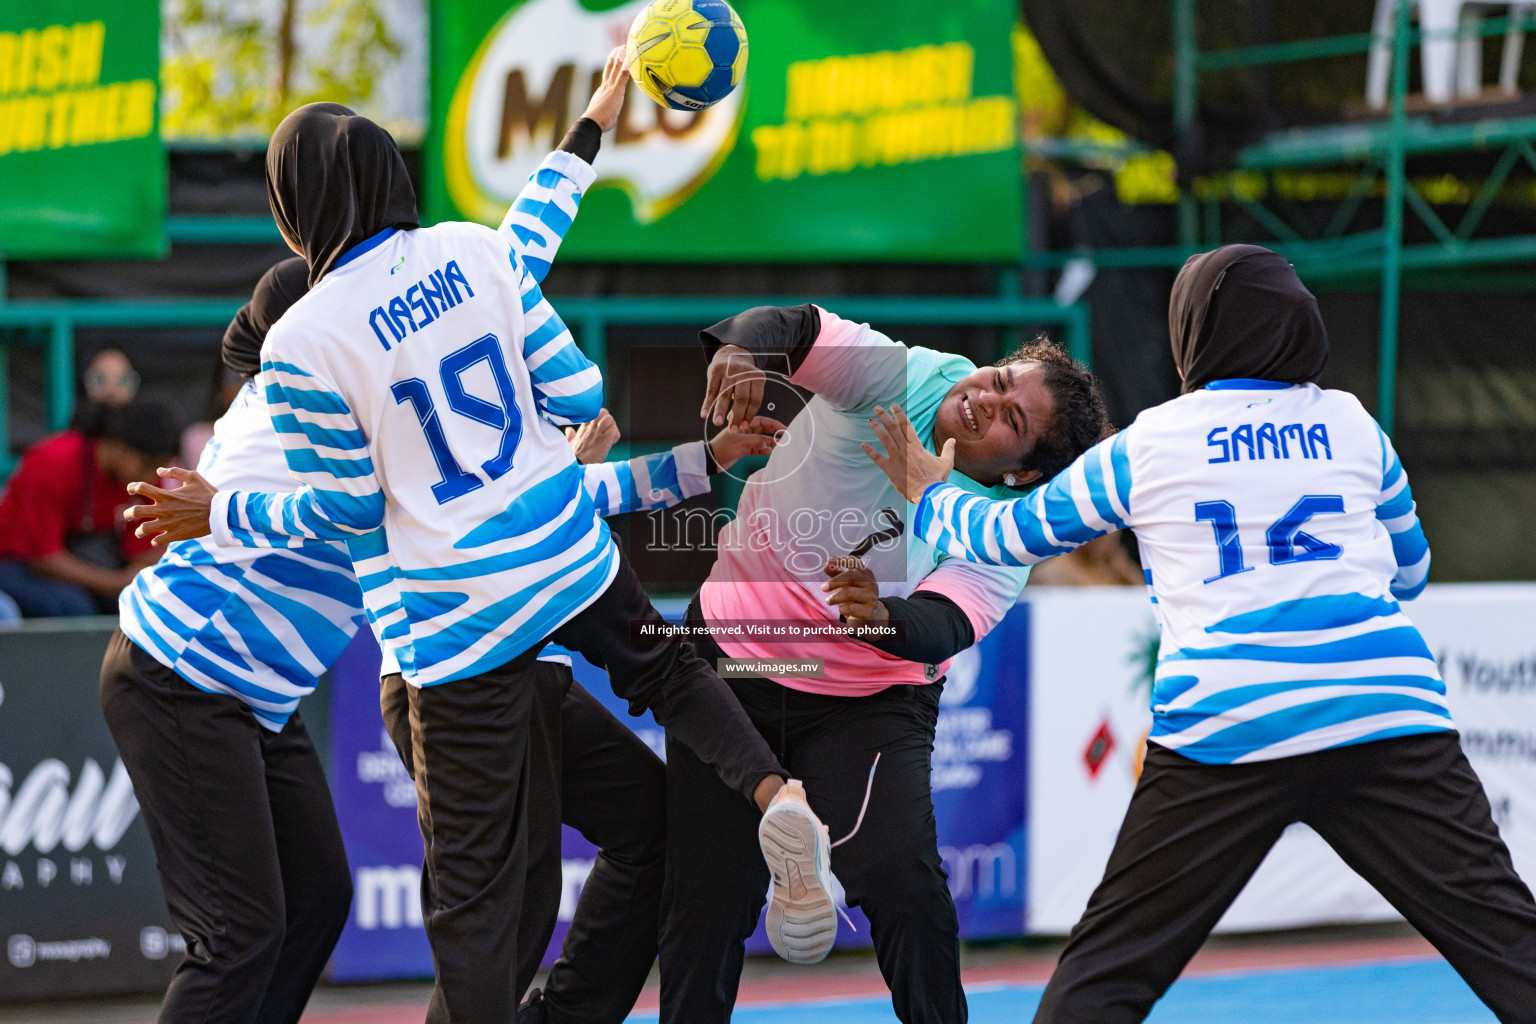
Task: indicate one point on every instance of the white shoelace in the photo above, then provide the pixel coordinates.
(869, 788)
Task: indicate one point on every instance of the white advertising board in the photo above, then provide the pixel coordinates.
(1091, 651)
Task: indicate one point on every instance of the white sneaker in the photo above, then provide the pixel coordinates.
(802, 917)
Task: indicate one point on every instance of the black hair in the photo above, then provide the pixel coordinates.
(90, 418)
(1081, 420)
(145, 425)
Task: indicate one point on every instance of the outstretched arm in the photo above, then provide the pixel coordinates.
(1088, 499)
(664, 479)
(339, 497)
(544, 210)
(1397, 512)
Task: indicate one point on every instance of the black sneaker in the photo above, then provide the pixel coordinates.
(532, 1010)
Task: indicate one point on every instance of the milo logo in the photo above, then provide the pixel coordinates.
(532, 77)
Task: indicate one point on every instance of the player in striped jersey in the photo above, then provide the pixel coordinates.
(434, 348)
(257, 627)
(1278, 534)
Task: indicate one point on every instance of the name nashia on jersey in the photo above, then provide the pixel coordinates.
(1311, 442)
(431, 297)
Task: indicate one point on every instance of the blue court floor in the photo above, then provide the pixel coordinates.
(1399, 992)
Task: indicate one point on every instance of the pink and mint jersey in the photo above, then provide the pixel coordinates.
(1278, 534)
(820, 496)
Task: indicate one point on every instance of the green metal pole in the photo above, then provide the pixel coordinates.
(1186, 103)
(1012, 335)
(1392, 229)
(61, 373)
(1080, 333)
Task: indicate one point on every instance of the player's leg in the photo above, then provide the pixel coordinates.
(613, 791)
(716, 884)
(545, 875)
(395, 709)
(1192, 837)
(1410, 816)
(470, 748)
(317, 882)
(197, 769)
(891, 866)
(679, 688)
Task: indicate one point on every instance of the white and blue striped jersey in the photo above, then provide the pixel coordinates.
(258, 624)
(1277, 533)
(418, 392)
(263, 625)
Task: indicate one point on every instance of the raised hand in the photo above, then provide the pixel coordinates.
(172, 515)
(609, 98)
(733, 388)
(911, 468)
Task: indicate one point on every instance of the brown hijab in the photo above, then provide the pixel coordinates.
(1241, 311)
(334, 179)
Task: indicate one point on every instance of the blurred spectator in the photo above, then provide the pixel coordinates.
(110, 382)
(110, 378)
(1102, 562)
(225, 384)
(64, 547)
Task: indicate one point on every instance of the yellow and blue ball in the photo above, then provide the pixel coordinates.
(687, 54)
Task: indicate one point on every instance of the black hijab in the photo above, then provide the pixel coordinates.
(334, 179)
(280, 287)
(1241, 311)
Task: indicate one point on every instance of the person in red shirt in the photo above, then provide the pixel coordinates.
(64, 547)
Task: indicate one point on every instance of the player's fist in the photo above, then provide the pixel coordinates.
(853, 591)
(592, 441)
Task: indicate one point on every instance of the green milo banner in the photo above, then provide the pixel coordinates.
(861, 132)
(82, 170)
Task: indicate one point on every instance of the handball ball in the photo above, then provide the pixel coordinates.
(687, 54)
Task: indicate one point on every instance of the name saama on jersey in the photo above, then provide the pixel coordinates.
(1248, 440)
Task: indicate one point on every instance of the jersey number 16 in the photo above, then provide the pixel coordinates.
(1287, 543)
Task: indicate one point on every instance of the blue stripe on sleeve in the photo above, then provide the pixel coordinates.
(1093, 473)
(1120, 462)
(1061, 511)
(325, 402)
(532, 297)
(287, 423)
(307, 460)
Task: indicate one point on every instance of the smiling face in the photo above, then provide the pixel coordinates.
(996, 414)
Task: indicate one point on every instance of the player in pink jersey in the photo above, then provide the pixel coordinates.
(818, 540)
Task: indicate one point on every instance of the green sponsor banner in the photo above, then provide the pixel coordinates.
(82, 170)
(861, 132)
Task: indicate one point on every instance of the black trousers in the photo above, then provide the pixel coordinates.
(472, 751)
(591, 772)
(1408, 814)
(245, 837)
(717, 882)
